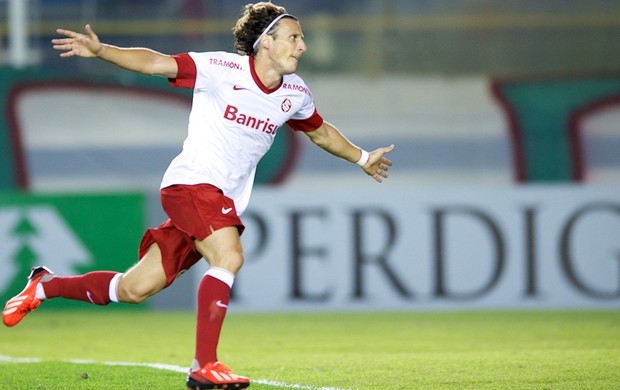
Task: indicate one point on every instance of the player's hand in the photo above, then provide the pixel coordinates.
(377, 165)
(76, 44)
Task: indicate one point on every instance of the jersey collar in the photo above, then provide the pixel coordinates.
(260, 83)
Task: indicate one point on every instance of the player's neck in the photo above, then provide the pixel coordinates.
(266, 73)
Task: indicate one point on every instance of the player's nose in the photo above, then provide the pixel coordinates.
(301, 46)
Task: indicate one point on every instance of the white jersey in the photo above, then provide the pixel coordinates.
(233, 121)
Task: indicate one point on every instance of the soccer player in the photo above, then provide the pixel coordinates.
(239, 102)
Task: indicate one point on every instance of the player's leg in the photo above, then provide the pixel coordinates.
(225, 256)
(224, 252)
(145, 279)
(98, 287)
(141, 281)
(209, 218)
(94, 287)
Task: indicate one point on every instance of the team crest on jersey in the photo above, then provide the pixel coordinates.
(286, 105)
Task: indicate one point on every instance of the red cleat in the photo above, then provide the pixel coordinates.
(215, 375)
(18, 306)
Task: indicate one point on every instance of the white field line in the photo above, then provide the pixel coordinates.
(161, 366)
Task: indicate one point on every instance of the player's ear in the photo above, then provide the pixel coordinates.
(266, 41)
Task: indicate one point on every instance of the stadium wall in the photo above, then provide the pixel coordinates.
(452, 206)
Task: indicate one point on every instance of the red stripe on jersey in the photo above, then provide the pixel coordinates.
(309, 124)
(186, 74)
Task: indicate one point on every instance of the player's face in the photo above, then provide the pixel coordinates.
(288, 46)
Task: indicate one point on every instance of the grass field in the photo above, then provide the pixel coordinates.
(412, 350)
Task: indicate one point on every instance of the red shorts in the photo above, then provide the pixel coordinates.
(194, 212)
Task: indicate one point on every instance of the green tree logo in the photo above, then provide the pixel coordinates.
(36, 235)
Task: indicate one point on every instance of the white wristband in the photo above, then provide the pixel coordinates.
(363, 158)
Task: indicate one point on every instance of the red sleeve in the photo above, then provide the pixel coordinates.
(186, 75)
(309, 124)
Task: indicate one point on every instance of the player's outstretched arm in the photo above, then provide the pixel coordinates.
(375, 164)
(140, 60)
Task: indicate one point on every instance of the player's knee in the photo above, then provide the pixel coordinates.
(128, 293)
(232, 262)
(236, 263)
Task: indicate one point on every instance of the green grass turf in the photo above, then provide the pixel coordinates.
(409, 350)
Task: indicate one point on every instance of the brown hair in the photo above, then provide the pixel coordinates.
(252, 23)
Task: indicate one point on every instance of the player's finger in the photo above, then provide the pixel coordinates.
(67, 54)
(66, 47)
(67, 33)
(63, 46)
(90, 32)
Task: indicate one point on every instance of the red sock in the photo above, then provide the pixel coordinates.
(213, 297)
(93, 287)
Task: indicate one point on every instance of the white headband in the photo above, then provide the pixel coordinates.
(268, 28)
